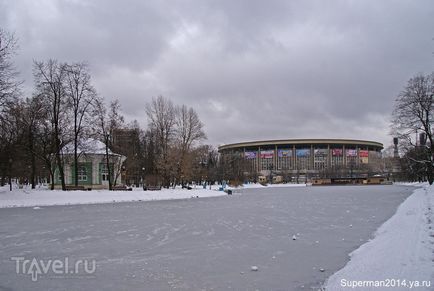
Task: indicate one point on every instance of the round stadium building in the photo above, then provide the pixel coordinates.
(309, 158)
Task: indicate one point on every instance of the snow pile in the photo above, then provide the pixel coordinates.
(44, 197)
(416, 184)
(400, 257)
(88, 146)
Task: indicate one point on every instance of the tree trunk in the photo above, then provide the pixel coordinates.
(430, 173)
(33, 171)
(59, 164)
(75, 161)
(52, 180)
(10, 175)
(32, 159)
(108, 163)
(61, 172)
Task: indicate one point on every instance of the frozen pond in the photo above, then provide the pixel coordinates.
(198, 244)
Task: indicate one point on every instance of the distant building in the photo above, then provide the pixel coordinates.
(92, 166)
(126, 142)
(304, 158)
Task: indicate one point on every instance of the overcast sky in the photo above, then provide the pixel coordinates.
(252, 69)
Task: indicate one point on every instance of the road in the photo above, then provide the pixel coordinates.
(194, 244)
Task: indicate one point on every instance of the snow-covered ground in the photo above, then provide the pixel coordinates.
(401, 255)
(27, 197)
(44, 197)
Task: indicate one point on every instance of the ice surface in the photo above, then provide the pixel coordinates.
(199, 244)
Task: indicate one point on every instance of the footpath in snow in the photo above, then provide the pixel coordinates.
(44, 197)
(401, 255)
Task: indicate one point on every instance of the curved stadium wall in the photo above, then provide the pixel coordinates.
(304, 156)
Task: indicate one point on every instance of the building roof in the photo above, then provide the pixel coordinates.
(264, 143)
(88, 146)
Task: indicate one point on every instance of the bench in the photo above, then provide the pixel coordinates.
(151, 188)
(76, 188)
(121, 188)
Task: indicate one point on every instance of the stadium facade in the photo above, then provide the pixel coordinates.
(309, 157)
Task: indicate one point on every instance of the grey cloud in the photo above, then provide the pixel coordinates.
(252, 69)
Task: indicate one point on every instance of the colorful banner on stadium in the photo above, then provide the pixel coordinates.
(267, 154)
(284, 153)
(302, 153)
(351, 153)
(364, 156)
(250, 155)
(337, 152)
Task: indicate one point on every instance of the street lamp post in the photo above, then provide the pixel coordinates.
(107, 138)
(270, 167)
(10, 174)
(143, 175)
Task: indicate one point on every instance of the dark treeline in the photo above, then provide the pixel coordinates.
(65, 110)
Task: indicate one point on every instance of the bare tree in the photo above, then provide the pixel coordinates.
(9, 85)
(8, 139)
(31, 114)
(81, 96)
(45, 147)
(189, 130)
(161, 119)
(9, 92)
(413, 114)
(107, 123)
(189, 127)
(50, 85)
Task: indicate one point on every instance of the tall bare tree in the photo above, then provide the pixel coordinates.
(9, 85)
(9, 92)
(161, 119)
(8, 138)
(189, 130)
(50, 79)
(107, 123)
(31, 114)
(413, 114)
(81, 96)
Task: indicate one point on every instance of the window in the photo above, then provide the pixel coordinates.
(320, 159)
(250, 161)
(303, 159)
(337, 157)
(267, 164)
(284, 159)
(267, 159)
(82, 173)
(104, 172)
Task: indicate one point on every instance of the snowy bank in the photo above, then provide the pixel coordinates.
(44, 197)
(400, 257)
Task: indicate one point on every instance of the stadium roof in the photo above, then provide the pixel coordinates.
(301, 141)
